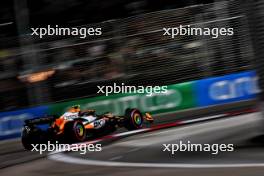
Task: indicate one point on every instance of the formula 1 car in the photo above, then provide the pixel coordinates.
(79, 126)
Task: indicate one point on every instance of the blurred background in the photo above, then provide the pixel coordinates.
(132, 48)
(206, 78)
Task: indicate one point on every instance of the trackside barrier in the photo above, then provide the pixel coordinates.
(178, 97)
(227, 89)
(195, 94)
(183, 96)
(11, 122)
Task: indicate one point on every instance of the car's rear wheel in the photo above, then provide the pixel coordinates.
(74, 131)
(134, 119)
(30, 136)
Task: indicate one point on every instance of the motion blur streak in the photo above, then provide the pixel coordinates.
(238, 130)
(206, 77)
(156, 138)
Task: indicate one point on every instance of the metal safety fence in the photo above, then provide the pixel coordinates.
(133, 50)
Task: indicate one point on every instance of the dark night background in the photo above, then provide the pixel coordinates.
(74, 13)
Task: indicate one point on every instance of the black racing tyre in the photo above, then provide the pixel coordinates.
(26, 139)
(30, 136)
(74, 131)
(134, 119)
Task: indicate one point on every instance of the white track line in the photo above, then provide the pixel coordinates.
(130, 132)
(203, 119)
(68, 159)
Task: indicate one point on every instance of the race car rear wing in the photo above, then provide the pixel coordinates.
(40, 120)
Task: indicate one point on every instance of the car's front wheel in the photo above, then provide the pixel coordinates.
(134, 119)
(74, 131)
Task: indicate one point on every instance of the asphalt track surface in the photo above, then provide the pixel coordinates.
(142, 154)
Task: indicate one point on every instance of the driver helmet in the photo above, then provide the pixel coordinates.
(75, 108)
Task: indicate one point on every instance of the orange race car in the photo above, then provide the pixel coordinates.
(77, 126)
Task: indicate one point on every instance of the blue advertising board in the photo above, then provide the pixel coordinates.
(12, 122)
(226, 89)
